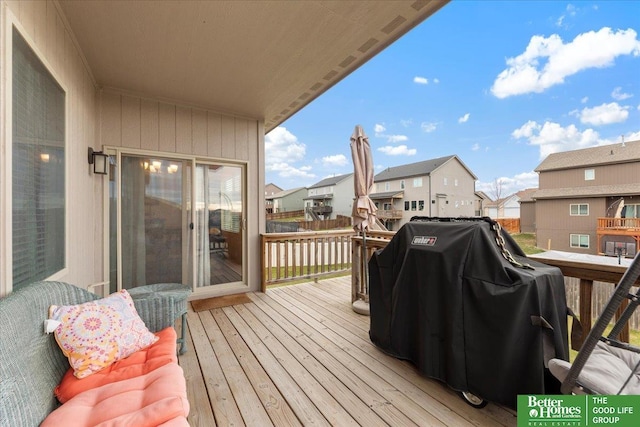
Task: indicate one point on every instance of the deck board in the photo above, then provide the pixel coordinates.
(299, 355)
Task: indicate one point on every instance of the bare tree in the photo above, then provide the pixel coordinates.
(496, 192)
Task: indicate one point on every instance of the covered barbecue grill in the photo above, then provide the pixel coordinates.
(444, 296)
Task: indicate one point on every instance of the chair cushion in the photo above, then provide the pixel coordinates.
(145, 401)
(139, 363)
(95, 334)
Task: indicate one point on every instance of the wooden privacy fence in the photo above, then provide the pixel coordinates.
(282, 215)
(512, 225)
(294, 256)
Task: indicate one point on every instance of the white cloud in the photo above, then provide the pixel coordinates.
(379, 129)
(618, 95)
(399, 150)
(603, 114)
(285, 170)
(475, 147)
(396, 138)
(547, 61)
(584, 100)
(282, 148)
(336, 160)
(406, 123)
(428, 127)
(436, 80)
(421, 80)
(552, 137)
(509, 185)
(464, 119)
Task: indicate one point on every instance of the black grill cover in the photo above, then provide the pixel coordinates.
(443, 297)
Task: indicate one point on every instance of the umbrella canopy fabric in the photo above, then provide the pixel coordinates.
(364, 210)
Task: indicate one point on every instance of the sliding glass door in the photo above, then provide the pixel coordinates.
(175, 220)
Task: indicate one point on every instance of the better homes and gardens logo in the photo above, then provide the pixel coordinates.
(578, 411)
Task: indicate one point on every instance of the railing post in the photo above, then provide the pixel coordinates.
(586, 290)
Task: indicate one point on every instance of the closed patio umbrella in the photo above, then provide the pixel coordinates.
(364, 211)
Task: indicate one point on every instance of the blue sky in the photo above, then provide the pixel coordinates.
(500, 84)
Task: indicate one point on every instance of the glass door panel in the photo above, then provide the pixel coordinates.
(218, 224)
(152, 218)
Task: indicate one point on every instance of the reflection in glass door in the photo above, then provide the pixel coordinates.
(218, 224)
(176, 224)
(152, 218)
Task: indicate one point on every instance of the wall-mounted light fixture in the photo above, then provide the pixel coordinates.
(99, 160)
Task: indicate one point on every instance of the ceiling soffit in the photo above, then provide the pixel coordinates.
(262, 60)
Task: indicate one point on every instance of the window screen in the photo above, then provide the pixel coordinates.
(38, 181)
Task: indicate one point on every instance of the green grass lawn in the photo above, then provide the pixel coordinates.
(527, 241)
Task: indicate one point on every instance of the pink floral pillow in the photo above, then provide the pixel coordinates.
(95, 334)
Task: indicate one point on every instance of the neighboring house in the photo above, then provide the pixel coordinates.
(505, 207)
(589, 200)
(269, 190)
(442, 187)
(289, 200)
(527, 210)
(180, 96)
(329, 198)
(481, 200)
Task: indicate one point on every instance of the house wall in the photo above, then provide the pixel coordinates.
(43, 26)
(460, 197)
(293, 201)
(528, 217)
(622, 173)
(139, 123)
(343, 195)
(554, 224)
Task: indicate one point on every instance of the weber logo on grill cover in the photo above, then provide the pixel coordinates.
(424, 240)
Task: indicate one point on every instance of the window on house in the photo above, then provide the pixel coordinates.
(406, 206)
(455, 182)
(38, 164)
(387, 186)
(579, 240)
(581, 209)
(420, 205)
(413, 205)
(631, 211)
(589, 174)
(402, 184)
(417, 182)
(444, 180)
(387, 206)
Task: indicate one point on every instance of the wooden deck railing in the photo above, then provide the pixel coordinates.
(373, 241)
(619, 223)
(294, 256)
(587, 273)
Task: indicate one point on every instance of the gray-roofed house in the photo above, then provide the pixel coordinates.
(329, 198)
(288, 200)
(589, 200)
(442, 187)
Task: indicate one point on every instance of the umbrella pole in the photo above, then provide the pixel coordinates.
(365, 269)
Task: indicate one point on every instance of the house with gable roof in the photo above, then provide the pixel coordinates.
(442, 187)
(589, 200)
(329, 198)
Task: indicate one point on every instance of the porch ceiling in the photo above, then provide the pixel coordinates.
(258, 59)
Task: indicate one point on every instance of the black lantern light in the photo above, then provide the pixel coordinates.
(100, 162)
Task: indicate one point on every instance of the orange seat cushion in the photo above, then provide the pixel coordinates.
(139, 363)
(150, 400)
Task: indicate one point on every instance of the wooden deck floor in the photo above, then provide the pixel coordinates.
(299, 355)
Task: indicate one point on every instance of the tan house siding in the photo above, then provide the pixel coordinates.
(555, 224)
(458, 200)
(604, 175)
(137, 123)
(44, 29)
(528, 217)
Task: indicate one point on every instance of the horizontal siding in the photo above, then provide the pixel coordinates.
(624, 173)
